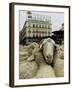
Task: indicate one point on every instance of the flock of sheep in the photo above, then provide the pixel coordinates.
(43, 60)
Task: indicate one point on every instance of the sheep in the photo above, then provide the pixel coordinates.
(48, 49)
(35, 64)
(27, 68)
(58, 62)
(26, 51)
(33, 45)
(23, 54)
(45, 70)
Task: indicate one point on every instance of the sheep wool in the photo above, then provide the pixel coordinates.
(26, 51)
(48, 49)
(28, 70)
(59, 67)
(45, 70)
(58, 61)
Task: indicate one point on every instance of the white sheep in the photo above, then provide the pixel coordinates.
(27, 68)
(26, 51)
(23, 54)
(48, 49)
(58, 61)
(45, 70)
(30, 68)
(33, 45)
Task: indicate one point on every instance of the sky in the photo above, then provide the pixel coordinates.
(57, 18)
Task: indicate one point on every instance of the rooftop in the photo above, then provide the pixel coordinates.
(38, 17)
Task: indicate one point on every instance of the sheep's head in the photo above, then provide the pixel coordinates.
(32, 58)
(48, 49)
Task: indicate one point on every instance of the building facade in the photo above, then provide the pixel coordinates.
(35, 28)
(58, 35)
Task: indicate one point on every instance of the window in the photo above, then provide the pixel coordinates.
(33, 25)
(36, 26)
(49, 32)
(49, 27)
(42, 26)
(39, 26)
(33, 34)
(33, 31)
(37, 31)
(29, 31)
(36, 34)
